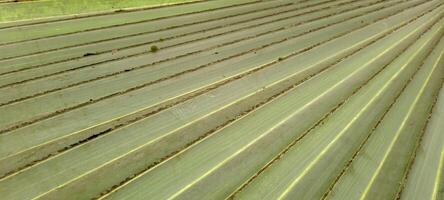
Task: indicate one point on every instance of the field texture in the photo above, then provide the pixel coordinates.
(12, 10)
(226, 99)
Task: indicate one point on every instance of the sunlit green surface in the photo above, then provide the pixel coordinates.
(249, 99)
(47, 8)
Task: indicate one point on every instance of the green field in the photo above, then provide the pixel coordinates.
(225, 99)
(46, 8)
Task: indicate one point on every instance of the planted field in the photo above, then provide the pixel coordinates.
(237, 99)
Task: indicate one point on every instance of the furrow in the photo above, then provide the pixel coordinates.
(280, 155)
(34, 21)
(176, 135)
(139, 107)
(119, 44)
(233, 153)
(102, 35)
(73, 26)
(127, 47)
(426, 180)
(113, 51)
(64, 81)
(229, 110)
(436, 40)
(384, 160)
(277, 71)
(68, 94)
(225, 99)
(415, 153)
(306, 169)
(93, 136)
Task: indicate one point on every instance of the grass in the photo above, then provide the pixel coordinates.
(154, 48)
(47, 8)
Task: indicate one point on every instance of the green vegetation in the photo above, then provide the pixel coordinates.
(154, 48)
(37, 9)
